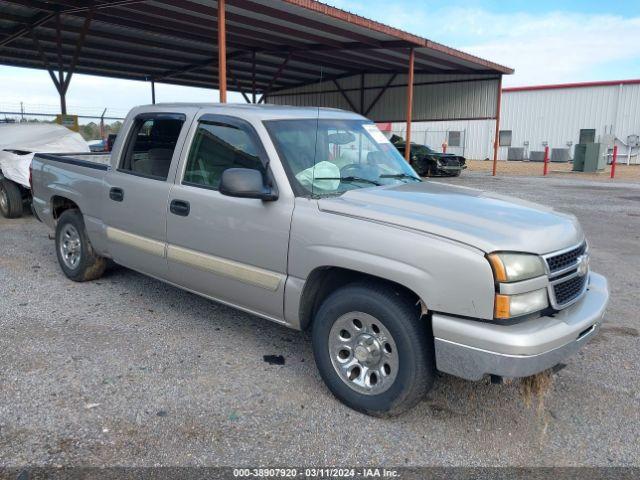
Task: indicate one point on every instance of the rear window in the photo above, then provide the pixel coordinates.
(150, 146)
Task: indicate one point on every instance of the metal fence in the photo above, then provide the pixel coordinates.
(23, 112)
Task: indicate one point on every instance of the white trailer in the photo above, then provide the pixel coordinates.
(18, 143)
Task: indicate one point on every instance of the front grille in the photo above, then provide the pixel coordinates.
(569, 290)
(566, 259)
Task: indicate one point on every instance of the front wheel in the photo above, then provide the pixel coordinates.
(373, 349)
(420, 169)
(76, 256)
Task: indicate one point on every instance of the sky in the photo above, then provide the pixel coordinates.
(544, 41)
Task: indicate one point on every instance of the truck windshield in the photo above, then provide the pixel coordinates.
(329, 157)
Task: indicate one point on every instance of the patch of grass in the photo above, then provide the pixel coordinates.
(536, 387)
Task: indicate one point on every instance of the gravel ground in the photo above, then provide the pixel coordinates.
(130, 371)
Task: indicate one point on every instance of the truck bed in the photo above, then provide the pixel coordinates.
(77, 177)
(97, 160)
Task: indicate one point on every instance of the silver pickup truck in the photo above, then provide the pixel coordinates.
(310, 218)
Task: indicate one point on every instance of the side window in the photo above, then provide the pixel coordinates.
(216, 147)
(504, 138)
(454, 138)
(150, 146)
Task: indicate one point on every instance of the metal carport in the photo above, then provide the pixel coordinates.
(300, 52)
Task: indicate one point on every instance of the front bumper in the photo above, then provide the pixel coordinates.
(471, 349)
(449, 169)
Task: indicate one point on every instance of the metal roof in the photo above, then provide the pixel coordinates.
(257, 112)
(559, 86)
(271, 44)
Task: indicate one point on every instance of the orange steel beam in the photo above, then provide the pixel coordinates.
(407, 148)
(496, 141)
(222, 51)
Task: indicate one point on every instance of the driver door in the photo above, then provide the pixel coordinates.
(233, 250)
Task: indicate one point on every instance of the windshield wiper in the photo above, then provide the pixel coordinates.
(350, 178)
(400, 175)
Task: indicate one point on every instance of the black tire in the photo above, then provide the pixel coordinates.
(11, 199)
(411, 334)
(89, 265)
(423, 171)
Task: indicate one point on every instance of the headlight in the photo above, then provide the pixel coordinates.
(438, 162)
(514, 267)
(508, 306)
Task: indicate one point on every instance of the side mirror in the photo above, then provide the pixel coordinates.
(245, 183)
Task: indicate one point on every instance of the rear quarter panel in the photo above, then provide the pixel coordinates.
(80, 184)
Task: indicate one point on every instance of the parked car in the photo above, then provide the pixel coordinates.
(98, 145)
(429, 163)
(18, 143)
(312, 219)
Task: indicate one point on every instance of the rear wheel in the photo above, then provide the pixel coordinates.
(10, 199)
(373, 350)
(76, 256)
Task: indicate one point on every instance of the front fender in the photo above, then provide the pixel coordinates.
(448, 276)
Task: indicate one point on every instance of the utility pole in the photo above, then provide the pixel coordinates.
(102, 136)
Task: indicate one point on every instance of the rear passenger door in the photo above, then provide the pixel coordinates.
(135, 212)
(230, 249)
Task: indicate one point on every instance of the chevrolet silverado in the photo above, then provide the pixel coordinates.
(311, 218)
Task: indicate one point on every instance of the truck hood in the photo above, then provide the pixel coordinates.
(487, 221)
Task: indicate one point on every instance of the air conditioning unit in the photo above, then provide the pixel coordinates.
(536, 156)
(589, 157)
(515, 153)
(560, 155)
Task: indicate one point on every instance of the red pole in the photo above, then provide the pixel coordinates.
(546, 161)
(222, 51)
(613, 161)
(407, 148)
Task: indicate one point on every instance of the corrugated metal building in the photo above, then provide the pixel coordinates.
(436, 97)
(553, 115)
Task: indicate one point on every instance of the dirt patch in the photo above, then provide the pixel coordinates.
(10, 263)
(534, 169)
(615, 330)
(442, 410)
(536, 387)
(620, 331)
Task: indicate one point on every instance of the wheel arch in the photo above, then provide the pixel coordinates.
(60, 204)
(323, 281)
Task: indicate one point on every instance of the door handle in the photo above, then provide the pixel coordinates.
(116, 194)
(179, 207)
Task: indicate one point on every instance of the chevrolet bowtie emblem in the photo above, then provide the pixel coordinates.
(583, 265)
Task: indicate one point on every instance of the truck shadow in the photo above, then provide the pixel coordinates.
(287, 354)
